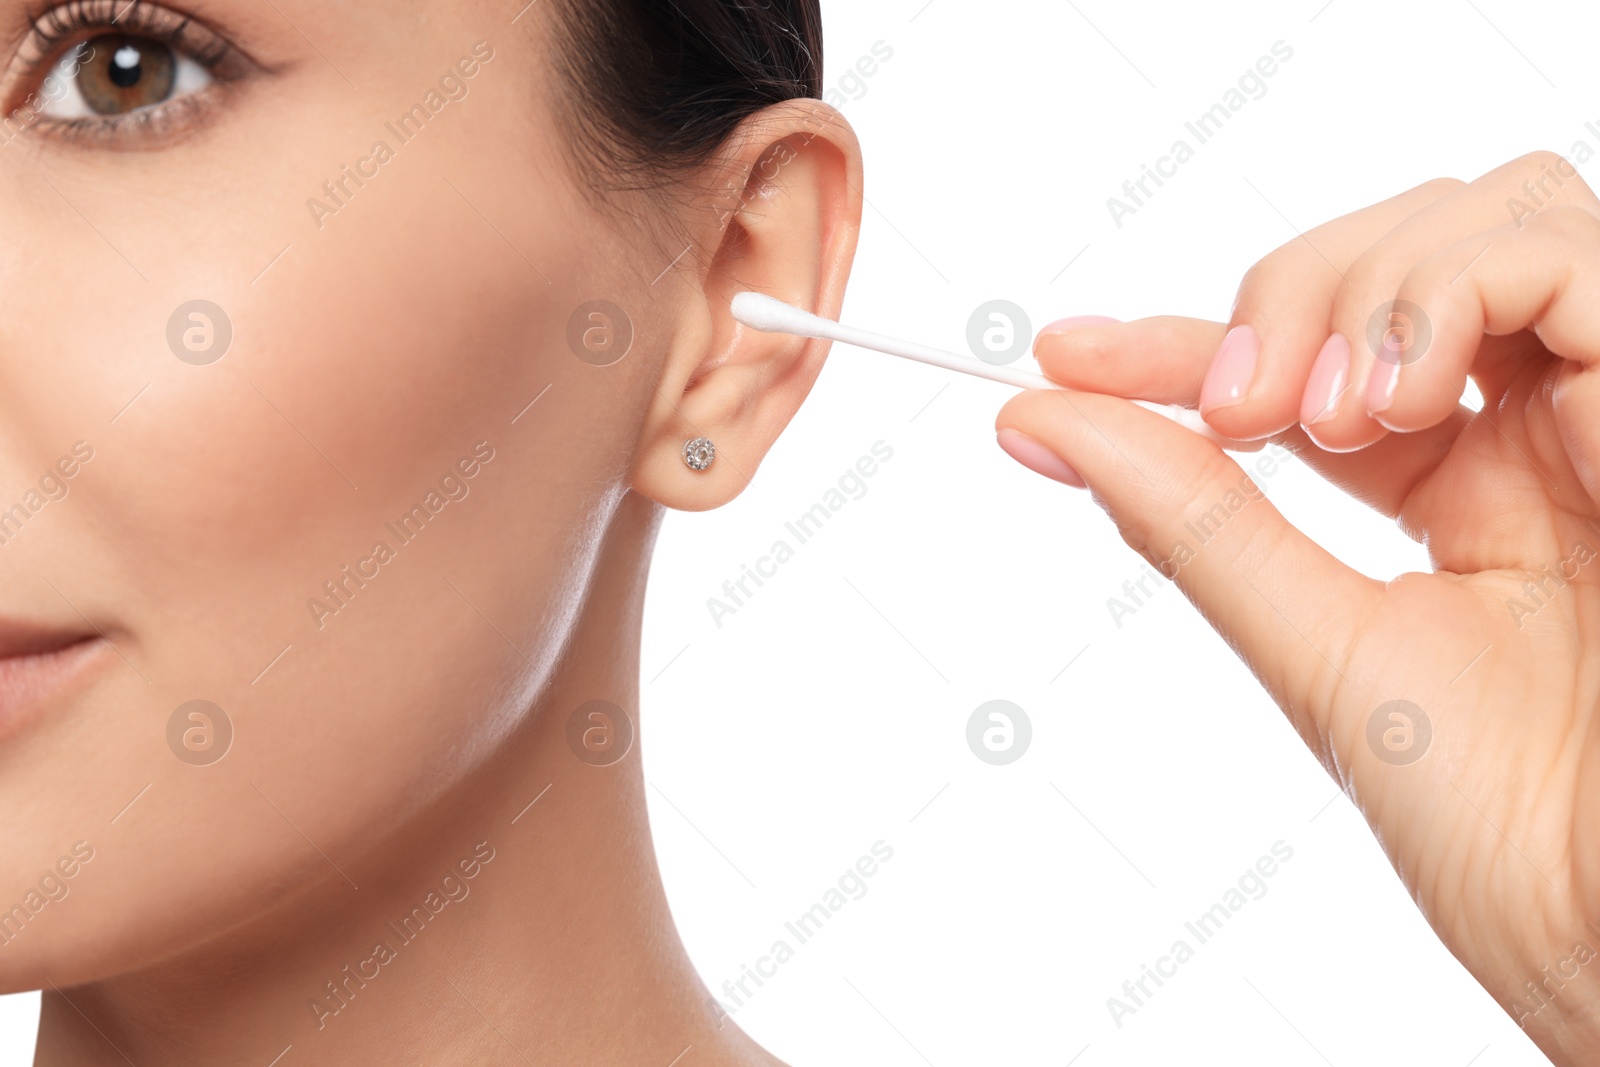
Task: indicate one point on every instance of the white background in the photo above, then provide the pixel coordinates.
(830, 711)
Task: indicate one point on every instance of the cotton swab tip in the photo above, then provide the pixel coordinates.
(769, 315)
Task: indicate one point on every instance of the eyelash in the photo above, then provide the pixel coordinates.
(76, 22)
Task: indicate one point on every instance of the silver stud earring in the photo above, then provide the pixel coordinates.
(699, 453)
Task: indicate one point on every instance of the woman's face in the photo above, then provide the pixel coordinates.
(290, 424)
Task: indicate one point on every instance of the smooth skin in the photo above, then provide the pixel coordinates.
(1494, 830)
(376, 750)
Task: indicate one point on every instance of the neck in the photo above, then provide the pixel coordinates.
(520, 919)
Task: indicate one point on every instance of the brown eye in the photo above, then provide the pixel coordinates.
(118, 74)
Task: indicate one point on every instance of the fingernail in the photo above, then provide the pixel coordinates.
(1330, 376)
(1228, 380)
(1037, 458)
(1079, 322)
(1385, 377)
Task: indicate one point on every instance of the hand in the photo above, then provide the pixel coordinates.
(1494, 822)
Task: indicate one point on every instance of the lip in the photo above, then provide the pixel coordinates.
(36, 663)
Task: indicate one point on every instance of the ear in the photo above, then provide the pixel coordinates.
(785, 222)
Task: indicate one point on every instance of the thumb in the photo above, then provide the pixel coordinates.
(1291, 610)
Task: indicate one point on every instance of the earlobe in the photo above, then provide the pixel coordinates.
(788, 228)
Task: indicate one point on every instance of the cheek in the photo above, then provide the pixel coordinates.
(363, 367)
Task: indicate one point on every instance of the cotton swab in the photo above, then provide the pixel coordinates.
(770, 315)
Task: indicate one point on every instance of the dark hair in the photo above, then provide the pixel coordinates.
(656, 86)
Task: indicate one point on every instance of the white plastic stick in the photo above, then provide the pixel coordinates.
(770, 315)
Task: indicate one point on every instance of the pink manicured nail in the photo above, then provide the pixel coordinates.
(1381, 386)
(1079, 322)
(1330, 376)
(1037, 458)
(1232, 368)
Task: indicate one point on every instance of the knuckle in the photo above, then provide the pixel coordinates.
(1434, 272)
(1280, 267)
(1546, 173)
(1540, 159)
(1136, 535)
(1159, 529)
(1359, 294)
(1441, 187)
(1565, 220)
(1217, 476)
